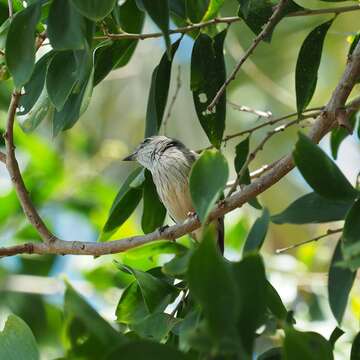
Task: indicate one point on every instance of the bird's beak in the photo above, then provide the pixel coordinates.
(131, 157)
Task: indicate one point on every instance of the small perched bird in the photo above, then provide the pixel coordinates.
(169, 162)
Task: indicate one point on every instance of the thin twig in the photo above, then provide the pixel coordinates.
(173, 100)
(270, 25)
(243, 108)
(10, 7)
(294, 246)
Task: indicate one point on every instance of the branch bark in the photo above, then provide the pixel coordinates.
(2, 157)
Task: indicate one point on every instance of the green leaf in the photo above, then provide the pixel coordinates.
(306, 345)
(114, 54)
(145, 350)
(213, 9)
(335, 335)
(156, 292)
(339, 134)
(17, 342)
(178, 266)
(196, 10)
(320, 172)
(220, 311)
(312, 209)
(252, 302)
(275, 303)
(340, 282)
(123, 206)
(257, 233)
(271, 354)
(156, 247)
(355, 348)
(351, 232)
(205, 188)
(207, 76)
(158, 11)
(75, 306)
(307, 65)
(66, 27)
(159, 90)
(93, 9)
(155, 326)
(154, 211)
(20, 55)
(62, 75)
(131, 307)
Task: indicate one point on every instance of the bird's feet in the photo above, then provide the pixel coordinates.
(163, 228)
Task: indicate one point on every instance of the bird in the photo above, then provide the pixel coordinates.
(169, 162)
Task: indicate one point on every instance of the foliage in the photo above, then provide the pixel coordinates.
(174, 300)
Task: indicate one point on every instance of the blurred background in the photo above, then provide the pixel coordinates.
(74, 178)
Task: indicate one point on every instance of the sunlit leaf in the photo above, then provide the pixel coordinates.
(17, 341)
(20, 55)
(320, 172)
(312, 208)
(205, 188)
(340, 282)
(158, 94)
(307, 65)
(156, 247)
(94, 9)
(257, 233)
(207, 75)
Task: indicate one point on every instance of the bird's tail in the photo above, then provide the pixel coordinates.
(220, 231)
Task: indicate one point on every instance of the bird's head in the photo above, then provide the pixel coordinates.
(149, 152)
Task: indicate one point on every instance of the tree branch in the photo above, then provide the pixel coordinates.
(323, 124)
(270, 25)
(2, 157)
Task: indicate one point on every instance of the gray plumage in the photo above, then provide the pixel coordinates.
(169, 162)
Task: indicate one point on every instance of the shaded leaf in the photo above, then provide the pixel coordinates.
(66, 27)
(156, 292)
(205, 188)
(320, 172)
(351, 232)
(17, 341)
(306, 345)
(252, 301)
(20, 55)
(94, 9)
(257, 233)
(271, 354)
(307, 65)
(123, 206)
(178, 266)
(196, 10)
(340, 282)
(355, 348)
(275, 303)
(335, 335)
(312, 209)
(159, 89)
(207, 76)
(154, 211)
(338, 135)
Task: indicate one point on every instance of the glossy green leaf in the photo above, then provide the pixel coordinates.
(306, 345)
(93, 9)
(155, 326)
(205, 188)
(131, 307)
(252, 303)
(207, 75)
(145, 350)
(65, 26)
(159, 90)
(307, 65)
(114, 54)
(355, 348)
(154, 211)
(257, 233)
(340, 282)
(220, 311)
(256, 13)
(320, 172)
(17, 341)
(76, 306)
(312, 209)
(338, 135)
(158, 11)
(213, 9)
(123, 206)
(156, 247)
(156, 292)
(20, 55)
(351, 232)
(271, 354)
(335, 335)
(275, 303)
(62, 75)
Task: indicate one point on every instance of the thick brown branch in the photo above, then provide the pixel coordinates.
(268, 28)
